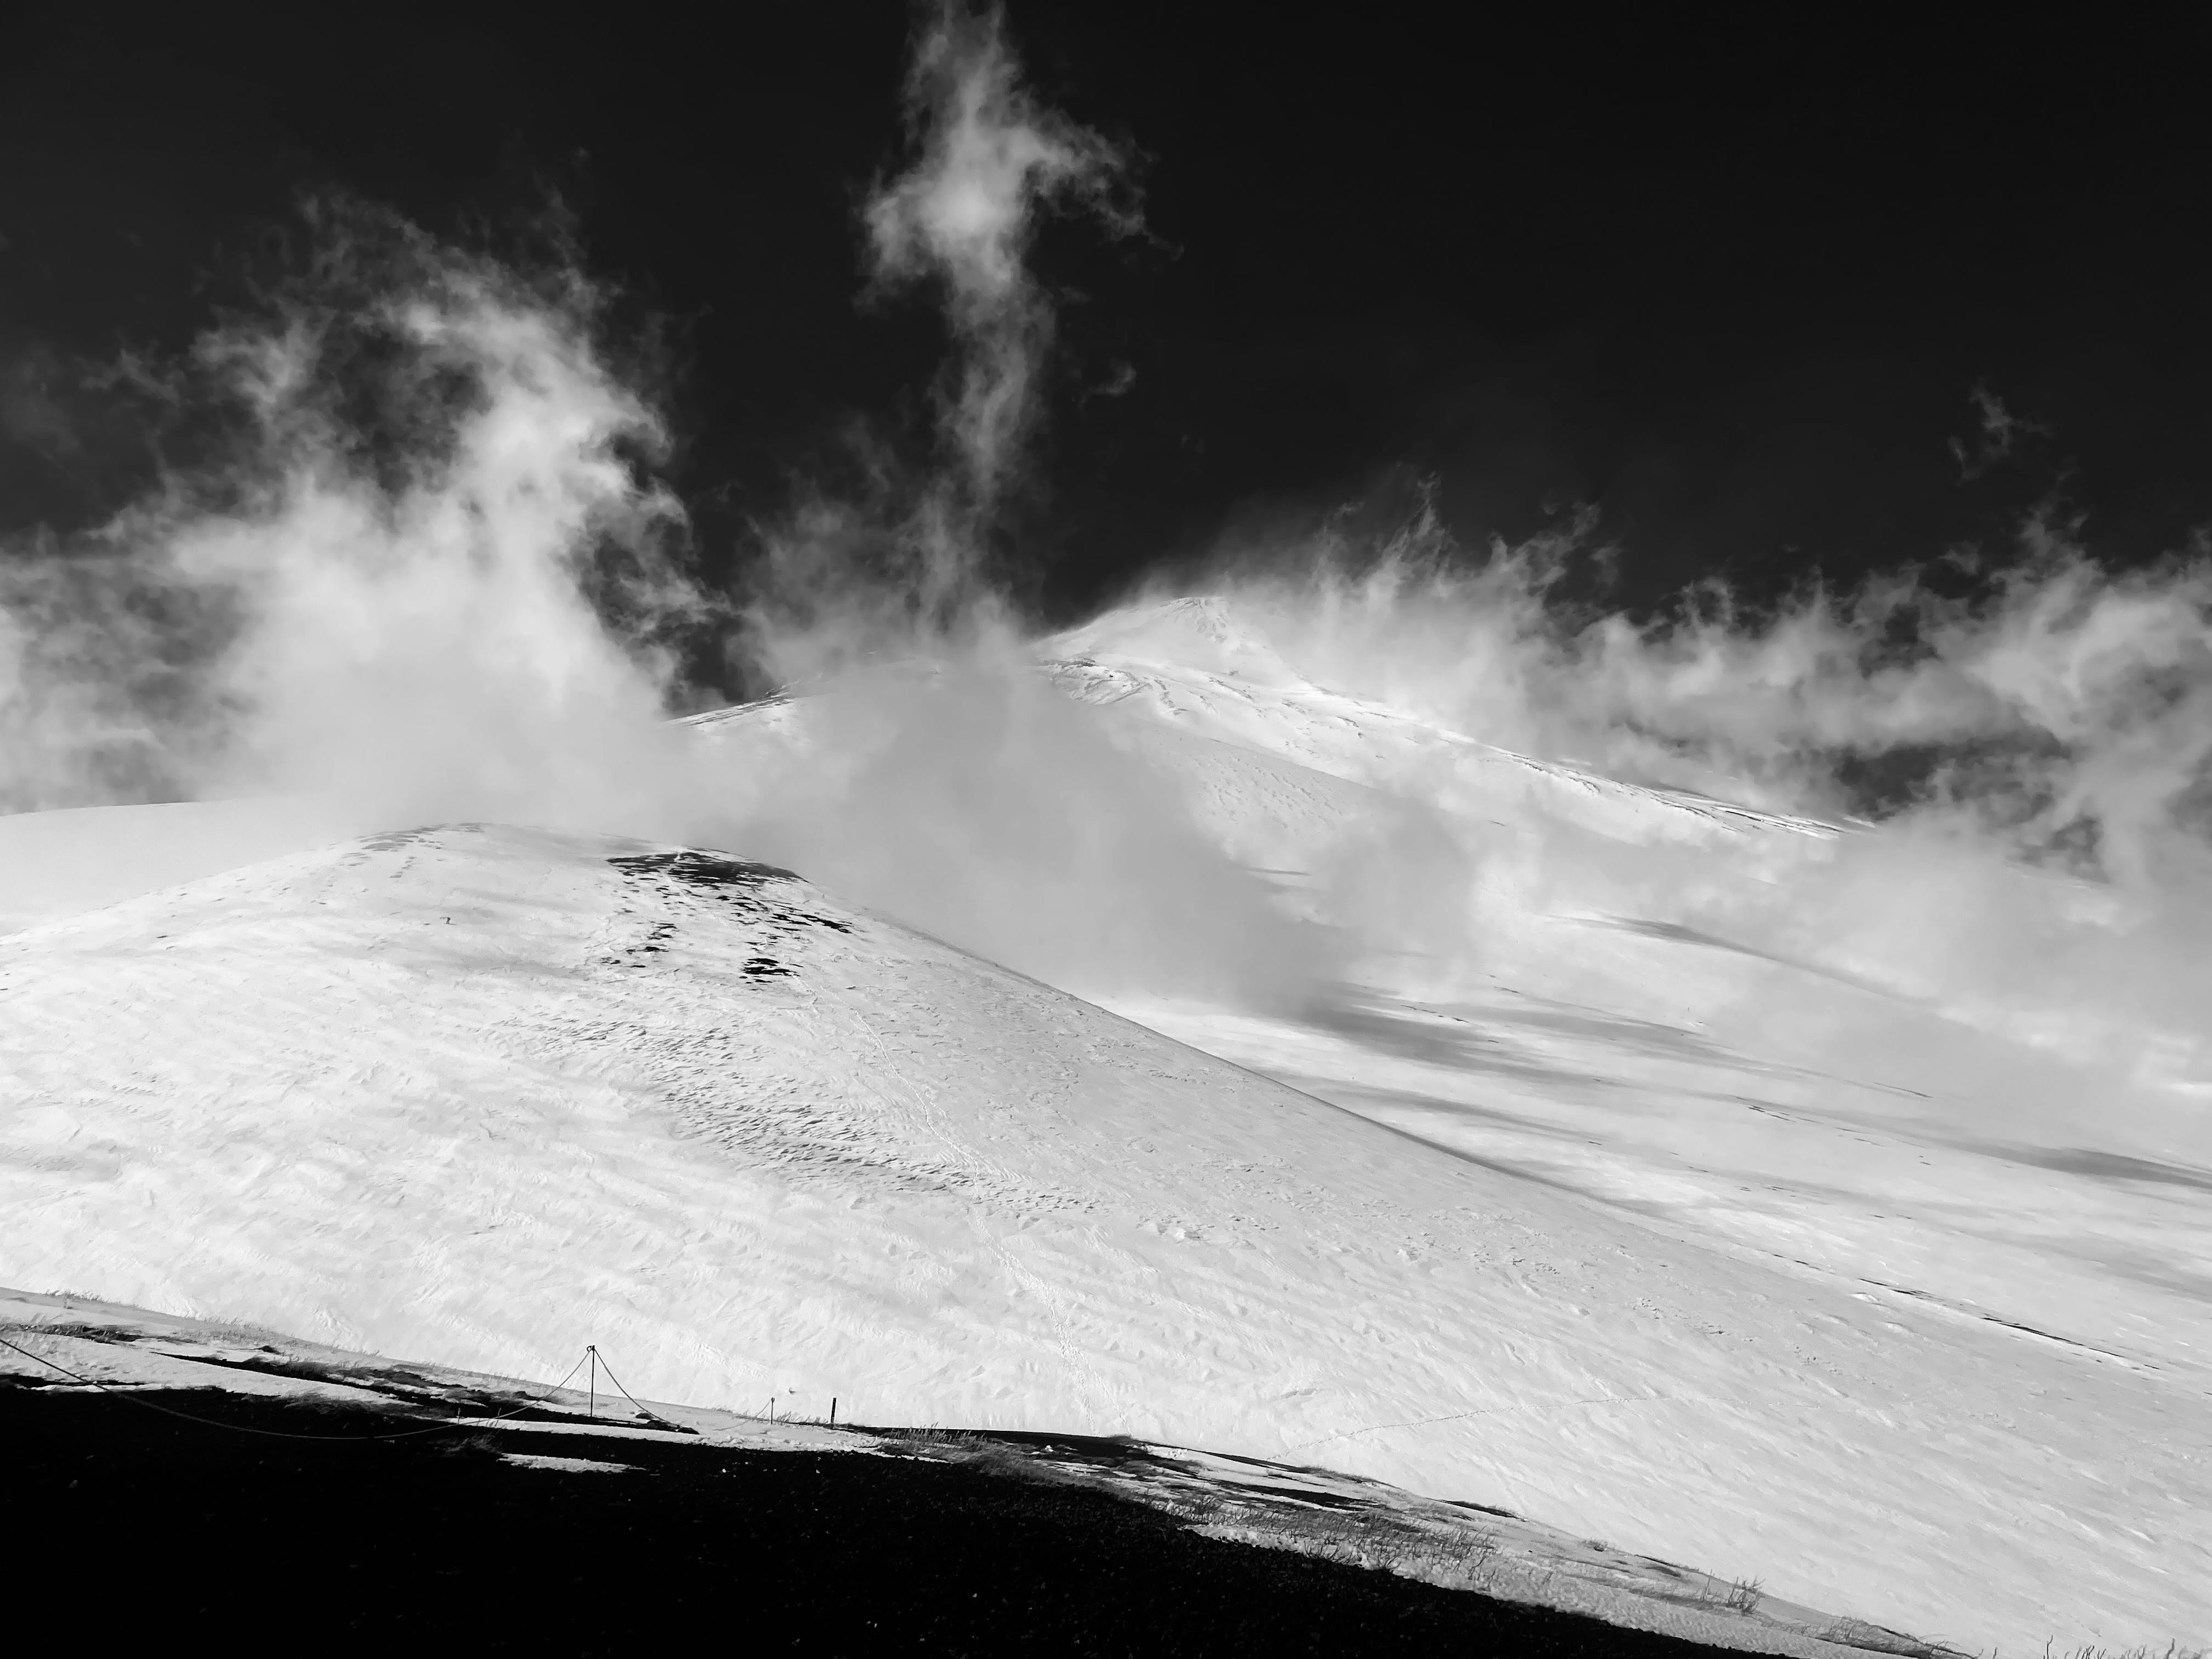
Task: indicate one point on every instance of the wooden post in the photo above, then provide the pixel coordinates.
(833, 1411)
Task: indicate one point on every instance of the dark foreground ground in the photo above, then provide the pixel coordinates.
(139, 1527)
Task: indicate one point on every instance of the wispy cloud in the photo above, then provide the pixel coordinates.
(428, 576)
(989, 159)
(1998, 439)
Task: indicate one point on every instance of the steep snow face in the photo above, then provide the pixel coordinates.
(1201, 666)
(477, 1095)
(1888, 1058)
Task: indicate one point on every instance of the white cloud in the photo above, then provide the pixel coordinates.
(990, 158)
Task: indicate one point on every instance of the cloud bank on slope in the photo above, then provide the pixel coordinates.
(2064, 708)
(2035, 748)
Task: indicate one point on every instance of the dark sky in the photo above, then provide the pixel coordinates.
(1730, 282)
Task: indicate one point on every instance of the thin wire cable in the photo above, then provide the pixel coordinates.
(654, 1417)
(281, 1434)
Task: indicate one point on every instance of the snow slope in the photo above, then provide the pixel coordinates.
(63, 863)
(1726, 1017)
(476, 1094)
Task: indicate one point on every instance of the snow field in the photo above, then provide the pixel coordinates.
(475, 1094)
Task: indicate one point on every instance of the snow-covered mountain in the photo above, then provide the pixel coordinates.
(1629, 1167)
(1916, 1066)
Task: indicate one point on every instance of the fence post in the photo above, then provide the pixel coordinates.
(833, 1411)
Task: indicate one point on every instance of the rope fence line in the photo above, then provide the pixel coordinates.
(281, 1434)
(599, 1363)
(590, 1356)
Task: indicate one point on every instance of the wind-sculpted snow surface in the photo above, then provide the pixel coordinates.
(476, 1095)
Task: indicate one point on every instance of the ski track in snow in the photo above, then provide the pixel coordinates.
(474, 1095)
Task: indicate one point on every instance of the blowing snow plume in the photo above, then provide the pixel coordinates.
(963, 214)
(908, 570)
(2062, 708)
(2004, 785)
(430, 580)
(932, 773)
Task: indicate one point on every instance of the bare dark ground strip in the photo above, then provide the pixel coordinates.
(440, 1541)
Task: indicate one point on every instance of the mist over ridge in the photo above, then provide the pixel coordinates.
(439, 575)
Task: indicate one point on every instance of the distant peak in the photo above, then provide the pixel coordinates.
(1197, 631)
